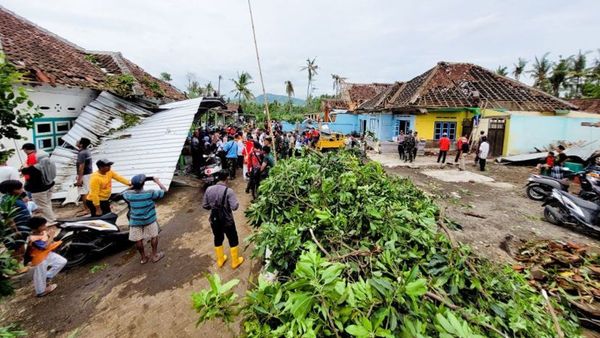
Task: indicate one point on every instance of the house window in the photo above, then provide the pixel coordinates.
(48, 132)
(401, 125)
(444, 127)
(373, 125)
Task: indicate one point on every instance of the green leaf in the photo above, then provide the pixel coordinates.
(357, 331)
(416, 288)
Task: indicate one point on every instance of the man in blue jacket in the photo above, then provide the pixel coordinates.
(231, 155)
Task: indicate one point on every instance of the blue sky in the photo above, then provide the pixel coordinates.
(365, 41)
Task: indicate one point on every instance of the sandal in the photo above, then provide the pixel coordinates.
(144, 260)
(49, 290)
(158, 257)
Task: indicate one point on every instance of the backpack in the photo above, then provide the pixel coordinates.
(220, 216)
(48, 169)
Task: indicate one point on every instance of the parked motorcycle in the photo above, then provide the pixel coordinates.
(85, 237)
(567, 209)
(208, 173)
(540, 187)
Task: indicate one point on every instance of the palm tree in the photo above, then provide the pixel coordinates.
(289, 90)
(519, 68)
(502, 70)
(578, 72)
(540, 70)
(241, 90)
(560, 70)
(337, 83)
(311, 68)
(193, 88)
(209, 89)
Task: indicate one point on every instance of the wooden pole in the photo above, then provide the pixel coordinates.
(262, 82)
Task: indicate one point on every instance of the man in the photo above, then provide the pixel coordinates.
(101, 188)
(84, 168)
(40, 182)
(268, 162)
(561, 157)
(400, 140)
(416, 145)
(142, 215)
(221, 201)
(196, 152)
(463, 150)
(484, 149)
(444, 144)
(239, 139)
(31, 152)
(477, 146)
(231, 156)
(7, 172)
(409, 144)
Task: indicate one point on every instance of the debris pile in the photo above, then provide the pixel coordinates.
(568, 271)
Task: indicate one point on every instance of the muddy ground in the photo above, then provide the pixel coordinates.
(493, 216)
(126, 299)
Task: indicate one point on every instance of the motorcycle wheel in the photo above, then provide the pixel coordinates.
(74, 256)
(549, 216)
(536, 193)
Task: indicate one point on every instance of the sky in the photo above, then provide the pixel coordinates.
(363, 41)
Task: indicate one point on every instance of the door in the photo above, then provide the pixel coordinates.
(496, 129)
(401, 126)
(363, 126)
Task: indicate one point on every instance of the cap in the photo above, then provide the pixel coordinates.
(104, 162)
(445, 134)
(137, 181)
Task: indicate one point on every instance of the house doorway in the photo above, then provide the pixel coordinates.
(401, 126)
(363, 126)
(467, 127)
(496, 130)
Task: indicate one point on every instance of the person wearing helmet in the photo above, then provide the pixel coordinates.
(101, 188)
(142, 215)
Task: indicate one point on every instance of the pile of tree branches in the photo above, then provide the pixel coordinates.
(359, 253)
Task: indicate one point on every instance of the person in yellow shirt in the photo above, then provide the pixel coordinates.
(101, 188)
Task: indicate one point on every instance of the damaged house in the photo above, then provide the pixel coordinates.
(138, 121)
(463, 98)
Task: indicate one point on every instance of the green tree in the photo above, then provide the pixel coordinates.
(337, 84)
(193, 88)
(519, 68)
(560, 71)
(502, 70)
(578, 73)
(311, 70)
(289, 90)
(209, 89)
(165, 76)
(540, 70)
(241, 90)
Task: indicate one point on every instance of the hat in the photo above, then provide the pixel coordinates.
(445, 134)
(104, 163)
(137, 181)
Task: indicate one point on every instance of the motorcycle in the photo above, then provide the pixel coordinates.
(540, 187)
(563, 208)
(85, 237)
(208, 173)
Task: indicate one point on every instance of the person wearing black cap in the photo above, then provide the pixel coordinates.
(101, 188)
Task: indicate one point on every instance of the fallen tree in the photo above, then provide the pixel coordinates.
(359, 253)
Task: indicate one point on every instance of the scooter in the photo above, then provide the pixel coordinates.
(208, 173)
(85, 237)
(563, 208)
(540, 187)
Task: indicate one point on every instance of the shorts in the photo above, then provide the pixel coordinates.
(85, 188)
(143, 232)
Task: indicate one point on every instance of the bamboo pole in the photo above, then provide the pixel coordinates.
(262, 82)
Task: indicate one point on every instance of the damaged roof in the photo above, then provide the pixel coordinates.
(459, 85)
(45, 57)
(587, 105)
(352, 95)
(379, 100)
(151, 145)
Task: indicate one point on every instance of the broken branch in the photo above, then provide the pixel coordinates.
(312, 234)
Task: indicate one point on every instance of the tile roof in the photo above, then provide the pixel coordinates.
(457, 85)
(354, 94)
(45, 57)
(587, 105)
(380, 99)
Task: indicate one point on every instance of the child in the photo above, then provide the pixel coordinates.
(40, 249)
(547, 165)
(16, 236)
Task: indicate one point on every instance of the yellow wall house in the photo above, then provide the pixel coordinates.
(463, 98)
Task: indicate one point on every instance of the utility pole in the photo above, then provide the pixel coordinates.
(262, 82)
(219, 86)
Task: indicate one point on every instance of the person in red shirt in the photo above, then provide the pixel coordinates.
(444, 147)
(30, 151)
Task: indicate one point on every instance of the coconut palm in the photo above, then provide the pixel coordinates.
(241, 90)
(560, 71)
(337, 83)
(209, 89)
(540, 70)
(311, 69)
(519, 68)
(289, 90)
(502, 70)
(578, 72)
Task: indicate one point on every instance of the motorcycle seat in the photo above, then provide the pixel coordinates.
(580, 202)
(110, 218)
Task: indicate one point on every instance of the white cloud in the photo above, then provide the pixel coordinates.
(365, 41)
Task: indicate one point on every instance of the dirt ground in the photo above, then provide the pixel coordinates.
(126, 299)
(508, 215)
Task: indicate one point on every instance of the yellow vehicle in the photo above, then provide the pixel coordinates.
(328, 141)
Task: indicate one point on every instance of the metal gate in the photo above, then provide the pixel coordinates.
(496, 130)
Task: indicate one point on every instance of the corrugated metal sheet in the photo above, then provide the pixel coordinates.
(152, 147)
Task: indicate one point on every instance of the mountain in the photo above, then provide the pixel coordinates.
(279, 98)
